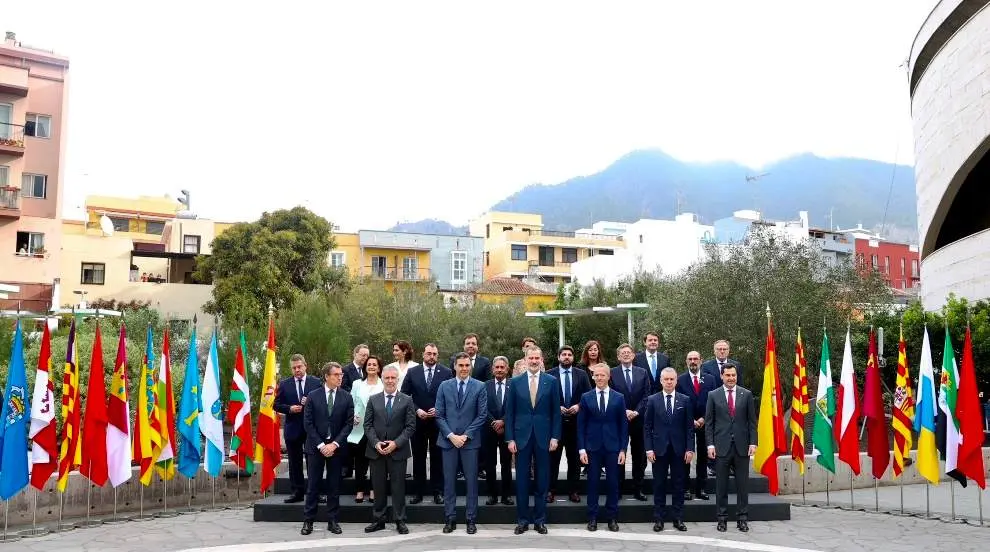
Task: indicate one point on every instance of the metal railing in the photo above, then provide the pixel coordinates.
(10, 198)
(576, 235)
(550, 264)
(397, 273)
(11, 135)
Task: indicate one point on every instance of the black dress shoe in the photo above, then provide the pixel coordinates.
(492, 500)
(471, 528)
(658, 526)
(307, 528)
(359, 500)
(521, 528)
(702, 496)
(323, 499)
(437, 499)
(613, 525)
(400, 526)
(688, 495)
(721, 526)
(334, 527)
(551, 498)
(508, 501)
(742, 525)
(640, 496)
(449, 527)
(540, 528)
(416, 499)
(592, 525)
(573, 497)
(482, 474)
(376, 525)
(679, 525)
(293, 499)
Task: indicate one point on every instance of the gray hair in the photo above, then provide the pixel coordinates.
(668, 369)
(391, 368)
(498, 358)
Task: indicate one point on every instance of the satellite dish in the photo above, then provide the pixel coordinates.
(106, 225)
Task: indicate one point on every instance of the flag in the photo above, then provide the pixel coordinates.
(770, 436)
(877, 445)
(847, 411)
(94, 429)
(947, 426)
(903, 409)
(147, 436)
(165, 459)
(799, 404)
(821, 433)
(239, 412)
(70, 455)
(924, 416)
(14, 423)
(190, 447)
(211, 411)
(118, 416)
(970, 416)
(268, 451)
(44, 444)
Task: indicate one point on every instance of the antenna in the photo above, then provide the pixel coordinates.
(756, 199)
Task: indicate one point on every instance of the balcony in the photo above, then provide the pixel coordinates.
(563, 238)
(11, 139)
(14, 81)
(10, 202)
(548, 267)
(397, 274)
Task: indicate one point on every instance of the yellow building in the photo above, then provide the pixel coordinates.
(517, 246)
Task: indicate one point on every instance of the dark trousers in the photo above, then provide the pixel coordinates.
(672, 464)
(425, 439)
(294, 449)
(741, 465)
(466, 461)
(701, 462)
(361, 462)
(496, 452)
(638, 454)
(386, 470)
(611, 462)
(568, 440)
(538, 456)
(316, 466)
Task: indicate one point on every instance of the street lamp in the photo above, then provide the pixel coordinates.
(560, 314)
(82, 297)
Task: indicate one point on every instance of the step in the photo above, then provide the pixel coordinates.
(762, 507)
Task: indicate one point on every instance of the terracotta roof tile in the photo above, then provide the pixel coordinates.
(508, 286)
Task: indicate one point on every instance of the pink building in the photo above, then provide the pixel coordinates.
(32, 144)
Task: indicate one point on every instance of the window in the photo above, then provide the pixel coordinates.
(487, 259)
(410, 269)
(488, 231)
(886, 264)
(190, 244)
(378, 266)
(30, 243)
(568, 255)
(337, 259)
(34, 185)
(458, 267)
(507, 229)
(42, 125)
(546, 255)
(155, 227)
(605, 252)
(875, 262)
(6, 118)
(4, 174)
(914, 268)
(120, 224)
(518, 252)
(546, 279)
(93, 273)
(903, 270)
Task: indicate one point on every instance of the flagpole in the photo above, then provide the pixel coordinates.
(6, 537)
(876, 493)
(902, 494)
(804, 500)
(828, 501)
(928, 504)
(852, 497)
(213, 480)
(34, 531)
(979, 500)
(952, 499)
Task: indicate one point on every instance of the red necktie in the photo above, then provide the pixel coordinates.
(697, 386)
(732, 404)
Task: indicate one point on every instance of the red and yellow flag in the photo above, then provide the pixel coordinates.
(165, 414)
(268, 451)
(94, 434)
(770, 434)
(903, 409)
(70, 455)
(799, 404)
(147, 436)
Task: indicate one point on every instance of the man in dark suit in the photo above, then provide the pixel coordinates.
(354, 371)
(290, 398)
(669, 446)
(715, 365)
(421, 383)
(327, 418)
(633, 383)
(730, 432)
(652, 360)
(462, 404)
(696, 385)
(496, 449)
(602, 435)
(573, 385)
(532, 428)
(481, 366)
(389, 422)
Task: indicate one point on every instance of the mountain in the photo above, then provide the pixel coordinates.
(842, 192)
(430, 226)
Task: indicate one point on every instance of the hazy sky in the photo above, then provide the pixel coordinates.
(372, 113)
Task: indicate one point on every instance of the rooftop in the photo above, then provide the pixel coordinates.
(508, 286)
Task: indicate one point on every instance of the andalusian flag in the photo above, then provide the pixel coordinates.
(799, 404)
(44, 448)
(771, 437)
(821, 436)
(70, 453)
(947, 425)
(211, 411)
(924, 416)
(269, 449)
(239, 412)
(165, 456)
(903, 409)
(147, 434)
(119, 428)
(847, 411)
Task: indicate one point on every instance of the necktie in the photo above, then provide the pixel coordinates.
(721, 365)
(498, 392)
(330, 402)
(460, 394)
(697, 386)
(532, 390)
(601, 401)
(388, 407)
(732, 404)
(628, 379)
(653, 366)
(567, 387)
(429, 376)
(670, 408)
(299, 389)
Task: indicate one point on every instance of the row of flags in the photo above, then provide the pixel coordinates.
(98, 440)
(950, 422)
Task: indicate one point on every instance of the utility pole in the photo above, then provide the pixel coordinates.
(756, 202)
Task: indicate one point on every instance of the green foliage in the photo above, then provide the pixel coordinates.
(314, 328)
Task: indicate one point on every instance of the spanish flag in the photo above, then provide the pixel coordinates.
(771, 438)
(70, 454)
(268, 451)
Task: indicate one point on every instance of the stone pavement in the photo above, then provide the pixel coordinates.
(233, 530)
(937, 504)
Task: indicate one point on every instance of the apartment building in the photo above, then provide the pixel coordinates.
(33, 95)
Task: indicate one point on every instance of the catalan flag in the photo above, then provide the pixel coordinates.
(44, 448)
(239, 412)
(147, 436)
(119, 427)
(799, 404)
(165, 457)
(771, 437)
(903, 409)
(70, 453)
(269, 448)
(924, 416)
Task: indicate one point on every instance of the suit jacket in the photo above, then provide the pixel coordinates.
(580, 384)
(598, 431)
(685, 385)
(711, 366)
(351, 374)
(722, 429)
(323, 426)
(523, 421)
(659, 429)
(482, 367)
(415, 386)
(287, 396)
(496, 410)
(465, 419)
(643, 362)
(398, 427)
(635, 397)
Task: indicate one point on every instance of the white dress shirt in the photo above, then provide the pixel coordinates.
(663, 404)
(597, 395)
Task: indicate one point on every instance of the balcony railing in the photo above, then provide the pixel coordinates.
(11, 138)
(10, 201)
(550, 264)
(397, 274)
(574, 235)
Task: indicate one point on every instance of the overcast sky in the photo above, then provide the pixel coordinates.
(371, 113)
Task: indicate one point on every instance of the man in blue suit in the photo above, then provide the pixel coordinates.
(652, 360)
(290, 398)
(532, 428)
(669, 447)
(633, 382)
(462, 404)
(602, 435)
(695, 384)
(714, 366)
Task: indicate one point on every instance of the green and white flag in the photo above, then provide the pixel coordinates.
(822, 436)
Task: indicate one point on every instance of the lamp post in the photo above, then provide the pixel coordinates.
(82, 297)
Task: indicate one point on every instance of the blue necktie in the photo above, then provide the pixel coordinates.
(460, 394)
(388, 407)
(653, 366)
(567, 387)
(628, 379)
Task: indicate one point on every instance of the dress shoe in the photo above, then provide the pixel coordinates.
(573, 497)
(416, 499)
(307, 528)
(658, 525)
(613, 525)
(679, 525)
(592, 525)
(640, 496)
(742, 525)
(400, 526)
(702, 496)
(449, 526)
(359, 500)
(482, 474)
(376, 525)
(688, 495)
(521, 528)
(540, 528)
(293, 499)
(508, 501)
(437, 499)
(323, 499)
(721, 526)
(334, 527)
(491, 501)
(551, 498)
(471, 528)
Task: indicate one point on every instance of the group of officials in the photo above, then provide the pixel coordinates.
(473, 417)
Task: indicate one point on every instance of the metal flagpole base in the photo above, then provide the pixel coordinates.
(117, 518)
(7, 536)
(34, 532)
(83, 524)
(189, 508)
(165, 513)
(141, 516)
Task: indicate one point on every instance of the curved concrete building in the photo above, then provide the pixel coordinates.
(950, 107)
